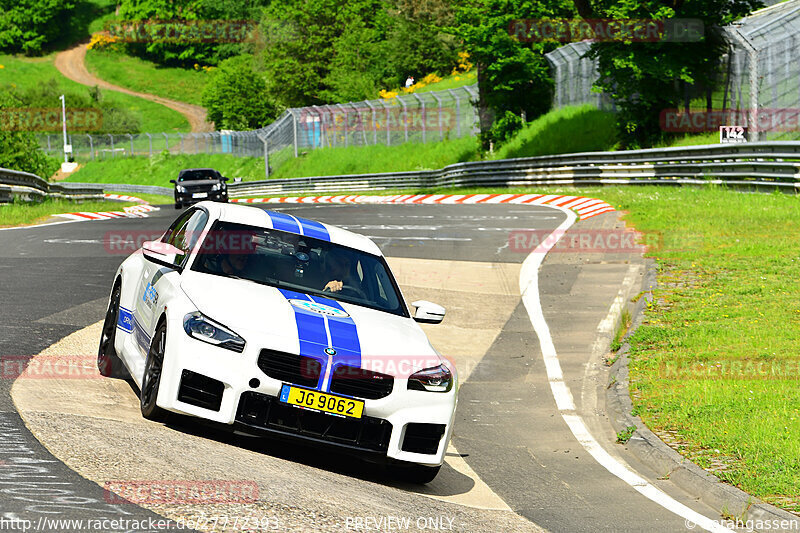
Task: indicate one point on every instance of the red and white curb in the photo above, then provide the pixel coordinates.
(133, 211)
(584, 207)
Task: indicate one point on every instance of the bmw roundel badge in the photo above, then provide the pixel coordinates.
(330, 351)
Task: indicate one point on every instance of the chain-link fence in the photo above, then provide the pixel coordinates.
(574, 76)
(759, 79)
(413, 117)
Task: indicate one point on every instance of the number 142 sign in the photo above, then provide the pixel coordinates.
(732, 134)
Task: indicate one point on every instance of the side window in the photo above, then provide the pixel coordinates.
(385, 288)
(193, 230)
(179, 223)
(185, 232)
(186, 236)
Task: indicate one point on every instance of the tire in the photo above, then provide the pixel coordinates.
(416, 474)
(108, 362)
(178, 206)
(152, 377)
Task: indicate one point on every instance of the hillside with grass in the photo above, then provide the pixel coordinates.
(25, 75)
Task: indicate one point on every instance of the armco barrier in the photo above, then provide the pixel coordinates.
(763, 164)
(750, 165)
(30, 187)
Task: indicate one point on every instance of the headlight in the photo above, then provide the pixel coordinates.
(436, 379)
(202, 328)
(216, 187)
(180, 188)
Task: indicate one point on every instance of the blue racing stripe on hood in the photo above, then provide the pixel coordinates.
(311, 333)
(344, 339)
(316, 332)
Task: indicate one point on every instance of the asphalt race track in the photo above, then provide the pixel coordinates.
(514, 464)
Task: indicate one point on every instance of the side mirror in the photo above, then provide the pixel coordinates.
(225, 179)
(173, 181)
(162, 254)
(428, 312)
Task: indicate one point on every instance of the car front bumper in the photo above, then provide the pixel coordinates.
(226, 387)
(188, 199)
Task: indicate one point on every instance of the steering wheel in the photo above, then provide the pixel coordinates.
(352, 289)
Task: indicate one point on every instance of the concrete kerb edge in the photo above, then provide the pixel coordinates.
(727, 500)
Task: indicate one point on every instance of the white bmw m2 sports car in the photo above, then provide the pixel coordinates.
(274, 324)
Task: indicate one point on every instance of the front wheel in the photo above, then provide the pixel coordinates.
(108, 362)
(152, 377)
(417, 474)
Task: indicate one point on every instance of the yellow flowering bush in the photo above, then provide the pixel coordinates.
(101, 41)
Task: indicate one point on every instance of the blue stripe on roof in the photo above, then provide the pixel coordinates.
(283, 222)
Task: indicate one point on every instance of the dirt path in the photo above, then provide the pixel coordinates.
(71, 63)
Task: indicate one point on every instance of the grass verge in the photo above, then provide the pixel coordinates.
(561, 131)
(147, 77)
(21, 213)
(27, 73)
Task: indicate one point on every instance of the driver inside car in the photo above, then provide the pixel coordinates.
(339, 271)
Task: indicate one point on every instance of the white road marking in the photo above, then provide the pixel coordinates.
(40, 225)
(529, 289)
(385, 237)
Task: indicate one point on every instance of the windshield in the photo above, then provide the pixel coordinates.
(299, 263)
(192, 175)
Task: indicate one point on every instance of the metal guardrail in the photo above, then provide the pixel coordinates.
(750, 165)
(120, 187)
(754, 165)
(31, 187)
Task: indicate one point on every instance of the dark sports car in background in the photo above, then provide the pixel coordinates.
(197, 184)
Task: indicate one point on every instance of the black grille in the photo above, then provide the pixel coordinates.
(361, 383)
(290, 368)
(423, 438)
(266, 412)
(201, 187)
(202, 391)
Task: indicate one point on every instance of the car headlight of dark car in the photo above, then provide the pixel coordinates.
(435, 379)
(200, 327)
(180, 188)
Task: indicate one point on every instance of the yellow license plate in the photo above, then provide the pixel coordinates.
(320, 401)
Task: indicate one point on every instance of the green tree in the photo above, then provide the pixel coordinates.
(647, 78)
(19, 150)
(513, 77)
(236, 96)
(28, 26)
(300, 47)
(416, 42)
(336, 50)
(184, 50)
